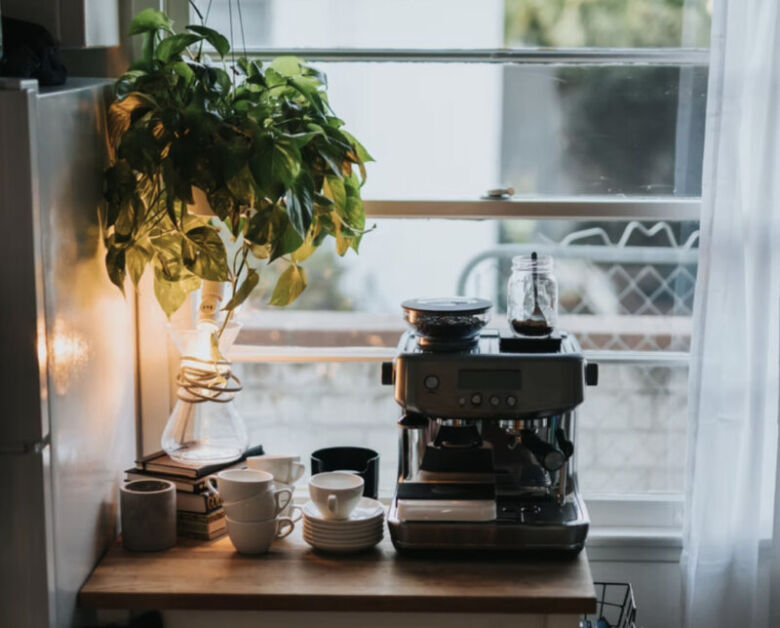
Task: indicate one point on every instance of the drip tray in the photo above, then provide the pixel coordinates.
(443, 501)
(446, 510)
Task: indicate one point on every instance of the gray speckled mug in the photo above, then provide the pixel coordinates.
(148, 509)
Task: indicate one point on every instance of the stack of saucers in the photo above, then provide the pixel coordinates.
(363, 529)
(338, 518)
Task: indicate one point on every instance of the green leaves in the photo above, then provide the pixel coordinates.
(261, 143)
(173, 46)
(220, 42)
(171, 294)
(250, 282)
(204, 254)
(137, 257)
(115, 265)
(275, 164)
(287, 66)
(300, 203)
(289, 286)
(149, 21)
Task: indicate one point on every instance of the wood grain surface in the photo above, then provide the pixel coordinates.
(292, 576)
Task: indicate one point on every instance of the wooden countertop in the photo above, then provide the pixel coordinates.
(213, 576)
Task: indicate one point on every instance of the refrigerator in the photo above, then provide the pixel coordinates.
(68, 365)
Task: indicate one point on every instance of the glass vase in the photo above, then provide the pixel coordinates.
(205, 426)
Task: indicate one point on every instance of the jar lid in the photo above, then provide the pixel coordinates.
(448, 305)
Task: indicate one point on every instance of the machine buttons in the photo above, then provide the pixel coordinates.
(476, 399)
(431, 382)
(495, 401)
(461, 401)
(511, 401)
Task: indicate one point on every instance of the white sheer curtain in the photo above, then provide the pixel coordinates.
(736, 347)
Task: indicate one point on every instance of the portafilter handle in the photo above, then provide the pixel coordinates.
(567, 447)
(548, 456)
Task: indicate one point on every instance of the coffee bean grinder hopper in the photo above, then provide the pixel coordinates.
(487, 440)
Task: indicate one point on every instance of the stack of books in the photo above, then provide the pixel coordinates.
(199, 513)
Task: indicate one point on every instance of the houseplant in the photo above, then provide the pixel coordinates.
(261, 149)
(260, 144)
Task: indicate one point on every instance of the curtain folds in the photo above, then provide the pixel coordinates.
(736, 346)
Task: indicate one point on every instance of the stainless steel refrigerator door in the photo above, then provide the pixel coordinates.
(27, 596)
(91, 336)
(67, 376)
(22, 323)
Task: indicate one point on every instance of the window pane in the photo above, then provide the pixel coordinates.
(447, 131)
(462, 23)
(623, 286)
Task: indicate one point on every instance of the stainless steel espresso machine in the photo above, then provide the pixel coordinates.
(487, 445)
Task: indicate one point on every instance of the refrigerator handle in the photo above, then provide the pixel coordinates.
(24, 449)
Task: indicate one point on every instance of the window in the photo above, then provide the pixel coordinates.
(593, 112)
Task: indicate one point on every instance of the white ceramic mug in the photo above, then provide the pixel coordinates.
(286, 469)
(336, 493)
(255, 537)
(249, 495)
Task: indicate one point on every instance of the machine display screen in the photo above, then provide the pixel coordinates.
(490, 380)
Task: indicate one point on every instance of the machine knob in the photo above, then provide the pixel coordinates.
(476, 399)
(591, 374)
(387, 373)
(431, 382)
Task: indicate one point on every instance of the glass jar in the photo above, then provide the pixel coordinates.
(532, 296)
(205, 426)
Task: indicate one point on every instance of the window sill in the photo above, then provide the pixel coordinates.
(616, 544)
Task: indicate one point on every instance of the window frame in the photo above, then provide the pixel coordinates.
(614, 517)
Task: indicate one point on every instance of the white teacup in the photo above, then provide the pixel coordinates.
(249, 495)
(336, 493)
(255, 537)
(285, 469)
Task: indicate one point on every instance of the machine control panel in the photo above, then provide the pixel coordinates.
(489, 383)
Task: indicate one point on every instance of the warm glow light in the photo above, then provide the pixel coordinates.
(68, 352)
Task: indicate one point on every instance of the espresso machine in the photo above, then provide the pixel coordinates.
(487, 437)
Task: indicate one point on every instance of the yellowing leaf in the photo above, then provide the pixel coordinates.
(120, 114)
(305, 250)
(289, 285)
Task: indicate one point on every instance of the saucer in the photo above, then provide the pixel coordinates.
(366, 511)
(345, 531)
(342, 546)
(342, 538)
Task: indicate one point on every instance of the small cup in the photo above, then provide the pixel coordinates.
(359, 460)
(148, 509)
(261, 507)
(336, 493)
(255, 498)
(237, 484)
(286, 469)
(255, 537)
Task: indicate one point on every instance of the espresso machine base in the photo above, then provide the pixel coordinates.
(519, 527)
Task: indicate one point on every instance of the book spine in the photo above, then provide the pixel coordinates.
(197, 502)
(197, 517)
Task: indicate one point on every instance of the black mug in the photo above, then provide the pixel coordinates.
(359, 460)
